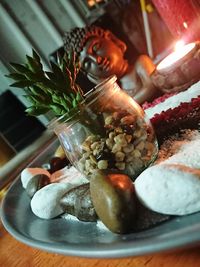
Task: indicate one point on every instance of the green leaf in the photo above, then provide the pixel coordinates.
(35, 90)
(36, 111)
(16, 76)
(35, 77)
(56, 70)
(19, 68)
(66, 105)
(47, 87)
(78, 97)
(67, 99)
(74, 103)
(22, 84)
(30, 99)
(32, 64)
(36, 61)
(35, 55)
(72, 95)
(57, 109)
(55, 98)
(51, 76)
(55, 90)
(40, 99)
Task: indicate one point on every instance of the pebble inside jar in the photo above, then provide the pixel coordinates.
(120, 137)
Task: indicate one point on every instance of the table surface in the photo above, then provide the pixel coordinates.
(16, 254)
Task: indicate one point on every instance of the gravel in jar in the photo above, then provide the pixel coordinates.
(127, 146)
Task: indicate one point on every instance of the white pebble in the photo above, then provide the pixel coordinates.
(46, 201)
(28, 173)
(189, 155)
(68, 175)
(169, 189)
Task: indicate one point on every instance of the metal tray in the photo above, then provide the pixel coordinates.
(72, 237)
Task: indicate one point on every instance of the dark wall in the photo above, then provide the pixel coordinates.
(16, 127)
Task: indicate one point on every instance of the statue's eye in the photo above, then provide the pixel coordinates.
(86, 64)
(96, 47)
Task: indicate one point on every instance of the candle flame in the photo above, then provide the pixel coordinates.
(178, 45)
(176, 56)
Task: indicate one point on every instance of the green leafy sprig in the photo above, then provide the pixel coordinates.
(54, 90)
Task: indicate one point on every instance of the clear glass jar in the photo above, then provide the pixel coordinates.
(110, 132)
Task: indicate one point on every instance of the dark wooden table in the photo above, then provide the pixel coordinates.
(16, 254)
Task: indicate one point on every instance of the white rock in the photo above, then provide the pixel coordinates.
(188, 155)
(68, 175)
(169, 189)
(28, 173)
(46, 201)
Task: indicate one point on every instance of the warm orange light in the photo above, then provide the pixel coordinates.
(185, 25)
(176, 56)
(92, 3)
(121, 181)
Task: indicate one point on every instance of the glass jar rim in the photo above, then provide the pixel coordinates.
(97, 91)
(71, 119)
(110, 79)
(62, 119)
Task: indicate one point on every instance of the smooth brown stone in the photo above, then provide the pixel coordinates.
(114, 200)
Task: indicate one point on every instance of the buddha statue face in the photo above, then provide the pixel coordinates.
(103, 56)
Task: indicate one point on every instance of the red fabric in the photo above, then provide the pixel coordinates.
(156, 101)
(179, 113)
(182, 17)
(169, 122)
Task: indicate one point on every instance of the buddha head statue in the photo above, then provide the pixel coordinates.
(102, 55)
(100, 52)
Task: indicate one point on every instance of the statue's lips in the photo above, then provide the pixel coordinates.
(105, 64)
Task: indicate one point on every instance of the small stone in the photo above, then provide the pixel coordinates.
(77, 202)
(57, 163)
(102, 164)
(114, 200)
(46, 202)
(28, 173)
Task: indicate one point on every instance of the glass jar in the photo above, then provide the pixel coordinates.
(110, 132)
